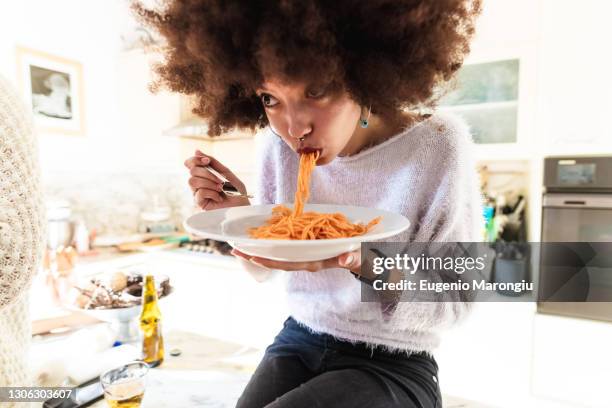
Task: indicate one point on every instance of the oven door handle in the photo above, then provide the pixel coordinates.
(574, 202)
(560, 200)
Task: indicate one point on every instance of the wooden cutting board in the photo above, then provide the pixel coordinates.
(63, 321)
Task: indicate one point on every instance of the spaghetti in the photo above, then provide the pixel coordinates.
(297, 224)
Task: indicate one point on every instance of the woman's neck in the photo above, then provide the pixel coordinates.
(379, 129)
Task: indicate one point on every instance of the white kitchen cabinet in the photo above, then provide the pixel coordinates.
(216, 297)
(572, 360)
(564, 86)
(487, 358)
(507, 355)
(574, 77)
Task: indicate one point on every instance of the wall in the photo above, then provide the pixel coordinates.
(123, 121)
(122, 160)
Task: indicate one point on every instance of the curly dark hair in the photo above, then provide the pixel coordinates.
(387, 54)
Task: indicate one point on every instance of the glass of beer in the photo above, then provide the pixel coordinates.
(124, 386)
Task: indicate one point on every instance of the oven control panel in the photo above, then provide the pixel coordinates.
(578, 174)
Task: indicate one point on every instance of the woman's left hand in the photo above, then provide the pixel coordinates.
(347, 260)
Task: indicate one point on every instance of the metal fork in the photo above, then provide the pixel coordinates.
(227, 187)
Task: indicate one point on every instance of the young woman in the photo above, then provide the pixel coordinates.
(345, 78)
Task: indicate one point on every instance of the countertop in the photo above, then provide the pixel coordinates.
(208, 373)
(221, 341)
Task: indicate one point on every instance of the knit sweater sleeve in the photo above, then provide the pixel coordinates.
(453, 210)
(21, 210)
(451, 213)
(265, 172)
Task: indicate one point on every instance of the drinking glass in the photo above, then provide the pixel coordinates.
(125, 386)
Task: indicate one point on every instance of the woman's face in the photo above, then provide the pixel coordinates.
(326, 121)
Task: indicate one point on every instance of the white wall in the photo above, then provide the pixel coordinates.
(122, 120)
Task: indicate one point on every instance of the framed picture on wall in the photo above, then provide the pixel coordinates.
(53, 87)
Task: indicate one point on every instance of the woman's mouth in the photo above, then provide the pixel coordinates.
(307, 150)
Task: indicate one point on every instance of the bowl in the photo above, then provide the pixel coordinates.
(231, 225)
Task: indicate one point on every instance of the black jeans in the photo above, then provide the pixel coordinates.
(302, 369)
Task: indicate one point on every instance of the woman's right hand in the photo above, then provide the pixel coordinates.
(206, 187)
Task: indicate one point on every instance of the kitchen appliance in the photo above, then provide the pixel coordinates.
(577, 207)
(60, 256)
(60, 227)
(209, 246)
(156, 218)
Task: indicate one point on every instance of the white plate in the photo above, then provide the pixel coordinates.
(231, 224)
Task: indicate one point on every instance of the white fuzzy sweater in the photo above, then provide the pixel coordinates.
(21, 234)
(427, 173)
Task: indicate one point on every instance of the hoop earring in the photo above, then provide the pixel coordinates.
(364, 122)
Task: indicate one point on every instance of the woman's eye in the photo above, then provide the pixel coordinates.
(268, 100)
(315, 93)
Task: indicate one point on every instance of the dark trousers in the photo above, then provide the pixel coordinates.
(302, 369)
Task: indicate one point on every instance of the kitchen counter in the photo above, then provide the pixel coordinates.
(213, 295)
(208, 373)
(218, 316)
(222, 320)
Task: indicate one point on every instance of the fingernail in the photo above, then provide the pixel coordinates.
(205, 159)
(348, 260)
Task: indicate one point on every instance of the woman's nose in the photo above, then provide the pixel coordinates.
(298, 120)
(298, 130)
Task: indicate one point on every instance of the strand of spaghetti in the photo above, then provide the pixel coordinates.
(307, 164)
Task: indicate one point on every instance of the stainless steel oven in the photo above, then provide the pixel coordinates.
(577, 207)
